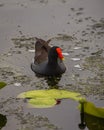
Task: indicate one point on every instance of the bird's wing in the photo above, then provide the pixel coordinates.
(41, 50)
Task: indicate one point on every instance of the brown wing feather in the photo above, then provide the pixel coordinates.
(41, 50)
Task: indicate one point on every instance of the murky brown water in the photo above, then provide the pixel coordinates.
(78, 28)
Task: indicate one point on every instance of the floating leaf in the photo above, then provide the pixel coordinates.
(3, 121)
(42, 98)
(2, 84)
(48, 98)
(42, 102)
(53, 93)
(91, 109)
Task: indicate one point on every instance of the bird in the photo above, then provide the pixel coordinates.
(48, 61)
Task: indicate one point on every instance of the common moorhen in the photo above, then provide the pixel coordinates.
(48, 60)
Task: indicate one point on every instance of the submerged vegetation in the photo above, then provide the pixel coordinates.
(99, 25)
(24, 42)
(64, 37)
(95, 84)
(95, 63)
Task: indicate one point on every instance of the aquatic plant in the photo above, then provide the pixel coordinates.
(51, 97)
(2, 84)
(3, 121)
(48, 98)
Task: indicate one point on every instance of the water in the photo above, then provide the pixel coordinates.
(70, 24)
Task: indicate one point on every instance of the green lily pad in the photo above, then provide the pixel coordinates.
(42, 103)
(53, 93)
(2, 84)
(3, 121)
(91, 109)
(48, 98)
(45, 98)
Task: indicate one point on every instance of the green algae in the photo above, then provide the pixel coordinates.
(24, 79)
(94, 83)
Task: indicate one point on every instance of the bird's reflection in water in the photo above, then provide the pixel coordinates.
(3, 121)
(52, 81)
